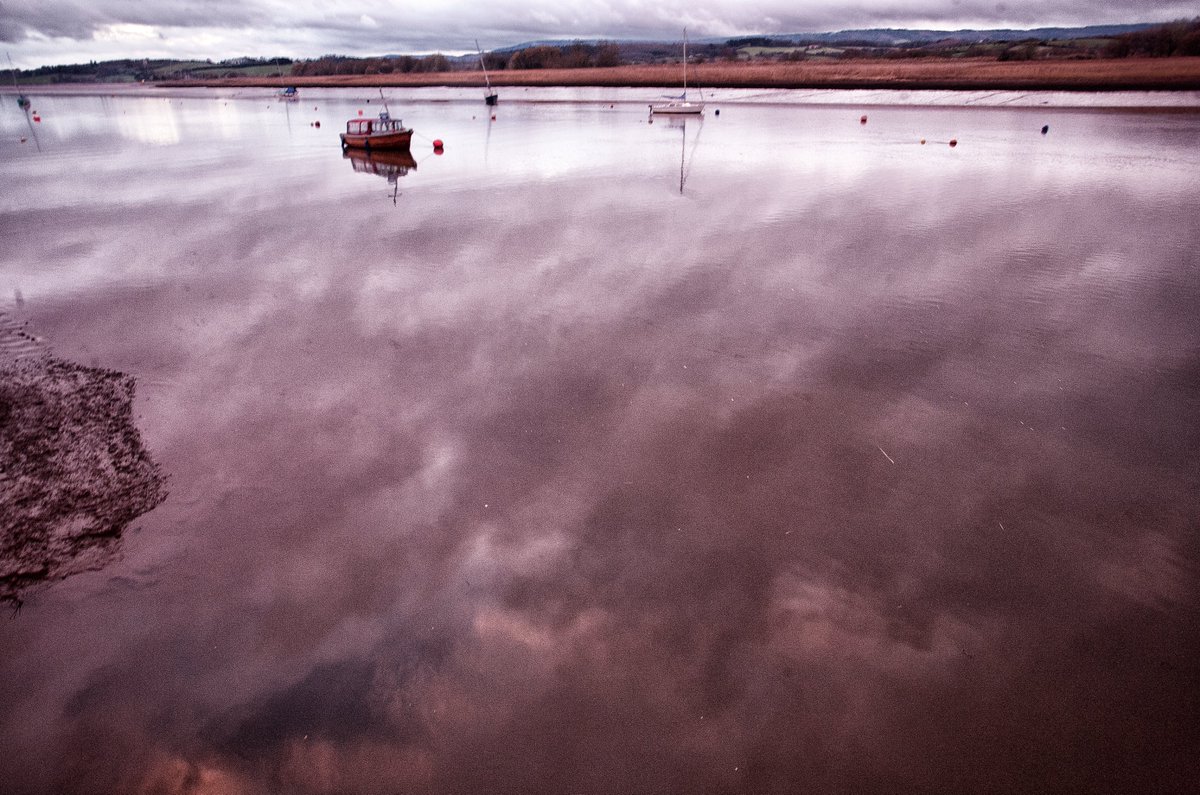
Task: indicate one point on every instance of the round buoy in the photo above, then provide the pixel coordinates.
(954, 142)
(493, 117)
(316, 124)
(862, 119)
(437, 143)
(37, 118)
(1045, 129)
(922, 142)
(360, 111)
(717, 111)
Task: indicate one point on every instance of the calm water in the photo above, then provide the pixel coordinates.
(773, 453)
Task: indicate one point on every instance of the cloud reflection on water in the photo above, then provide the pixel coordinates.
(584, 486)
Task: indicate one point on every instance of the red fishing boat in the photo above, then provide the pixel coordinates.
(381, 133)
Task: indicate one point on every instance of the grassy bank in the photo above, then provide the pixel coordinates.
(1125, 74)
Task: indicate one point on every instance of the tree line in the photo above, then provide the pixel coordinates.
(576, 55)
(1181, 37)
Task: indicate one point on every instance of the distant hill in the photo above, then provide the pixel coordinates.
(880, 37)
(895, 37)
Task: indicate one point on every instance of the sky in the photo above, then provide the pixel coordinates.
(44, 32)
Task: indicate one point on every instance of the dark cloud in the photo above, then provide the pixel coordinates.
(81, 20)
(305, 30)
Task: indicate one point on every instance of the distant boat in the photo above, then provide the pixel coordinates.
(381, 133)
(490, 97)
(290, 94)
(680, 106)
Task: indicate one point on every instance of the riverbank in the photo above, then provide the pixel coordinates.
(1124, 74)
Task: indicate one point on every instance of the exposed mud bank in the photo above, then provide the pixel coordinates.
(73, 470)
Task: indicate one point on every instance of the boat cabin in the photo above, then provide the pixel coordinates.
(384, 124)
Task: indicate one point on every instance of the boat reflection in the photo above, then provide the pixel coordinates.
(391, 164)
(680, 123)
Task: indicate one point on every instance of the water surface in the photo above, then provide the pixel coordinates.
(776, 452)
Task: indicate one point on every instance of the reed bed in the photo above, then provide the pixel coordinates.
(1126, 74)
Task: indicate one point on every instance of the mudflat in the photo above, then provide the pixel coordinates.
(74, 472)
(1118, 74)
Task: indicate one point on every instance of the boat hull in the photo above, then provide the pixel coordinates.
(390, 140)
(678, 109)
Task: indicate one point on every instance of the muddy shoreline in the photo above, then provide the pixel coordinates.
(1126, 74)
(73, 470)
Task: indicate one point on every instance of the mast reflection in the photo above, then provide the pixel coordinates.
(391, 165)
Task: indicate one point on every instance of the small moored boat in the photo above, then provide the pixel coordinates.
(22, 101)
(380, 133)
(490, 97)
(680, 105)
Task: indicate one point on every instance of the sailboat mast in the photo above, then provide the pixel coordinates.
(685, 64)
(483, 64)
(12, 71)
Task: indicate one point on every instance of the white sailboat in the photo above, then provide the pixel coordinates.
(680, 106)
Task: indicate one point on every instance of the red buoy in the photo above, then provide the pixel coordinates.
(863, 119)
(437, 143)
(954, 142)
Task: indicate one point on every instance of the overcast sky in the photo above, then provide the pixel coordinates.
(40, 32)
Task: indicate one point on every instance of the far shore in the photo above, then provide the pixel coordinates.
(1124, 74)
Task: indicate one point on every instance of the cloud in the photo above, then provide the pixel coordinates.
(592, 496)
